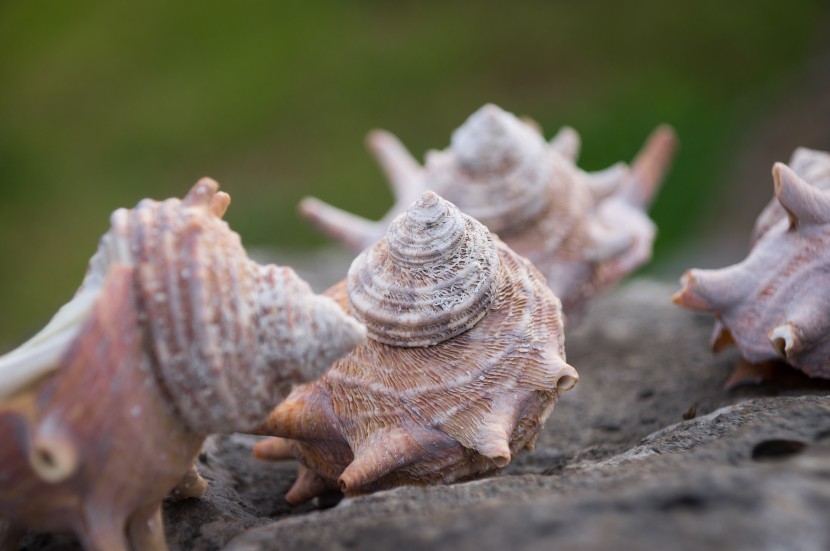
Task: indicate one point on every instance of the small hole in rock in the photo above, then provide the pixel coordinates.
(683, 502)
(329, 500)
(772, 450)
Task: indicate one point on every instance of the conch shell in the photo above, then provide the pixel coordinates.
(173, 334)
(464, 363)
(773, 305)
(584, 231)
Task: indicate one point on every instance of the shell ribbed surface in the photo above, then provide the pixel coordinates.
(433, 277)
(385, 416)
(229, 335)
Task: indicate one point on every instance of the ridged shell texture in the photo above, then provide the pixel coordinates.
(433, 277)
(387, 415)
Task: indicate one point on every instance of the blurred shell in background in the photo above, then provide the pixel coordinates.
(583, 230)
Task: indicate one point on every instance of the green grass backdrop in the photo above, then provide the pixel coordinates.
(104, 103)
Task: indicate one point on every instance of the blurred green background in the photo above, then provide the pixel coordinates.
(103, 103)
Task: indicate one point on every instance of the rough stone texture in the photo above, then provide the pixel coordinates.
(616, 466)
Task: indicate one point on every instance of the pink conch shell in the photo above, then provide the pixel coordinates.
(773, 305)
(453, 398)
(174, 334)
(584, 231)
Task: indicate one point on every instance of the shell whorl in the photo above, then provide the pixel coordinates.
(433, 277)
(495, 170)
(230, 335)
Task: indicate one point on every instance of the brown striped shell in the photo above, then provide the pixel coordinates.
(775, 305)
(584, 231)
(174, 334)
(460, 408)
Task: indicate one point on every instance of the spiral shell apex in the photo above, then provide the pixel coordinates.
(501, 176)
(455, 407)
(433, 277)
(760, 303)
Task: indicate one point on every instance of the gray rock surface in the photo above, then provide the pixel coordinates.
(648, 452)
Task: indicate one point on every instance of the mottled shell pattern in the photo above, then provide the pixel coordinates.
(775, 305)
(584, 231)
(464, 363)
(229, 335)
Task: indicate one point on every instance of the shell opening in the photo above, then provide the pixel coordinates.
(783, 339)
(501, 461)
(53, 459)
(566, 382)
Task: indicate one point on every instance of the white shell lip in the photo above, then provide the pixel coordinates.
(433, 277)
(41, 354)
